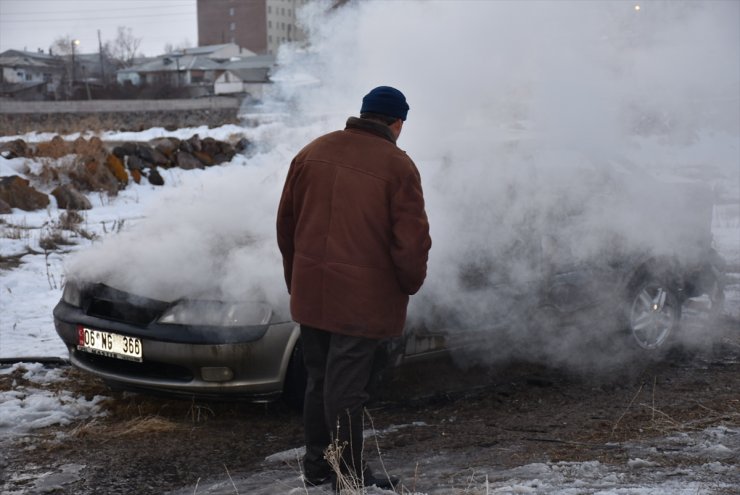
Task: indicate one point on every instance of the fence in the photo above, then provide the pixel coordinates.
(64, 117)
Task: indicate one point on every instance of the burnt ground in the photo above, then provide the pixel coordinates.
(508, 416)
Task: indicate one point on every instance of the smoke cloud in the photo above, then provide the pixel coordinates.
(548, 134)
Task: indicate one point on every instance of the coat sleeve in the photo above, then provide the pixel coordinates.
(286, 226)
(411, 241)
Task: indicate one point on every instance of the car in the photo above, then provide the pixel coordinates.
(246, 350)
(624, 296)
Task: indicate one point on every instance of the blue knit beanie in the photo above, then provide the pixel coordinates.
(385, 100)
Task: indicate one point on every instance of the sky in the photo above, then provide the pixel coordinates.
(35, 24)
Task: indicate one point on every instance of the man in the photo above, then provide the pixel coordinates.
(354, 237)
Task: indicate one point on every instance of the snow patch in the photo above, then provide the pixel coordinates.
(25, 408)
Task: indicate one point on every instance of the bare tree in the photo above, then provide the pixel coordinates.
(177, 47)
(125, 48)
(62, 45)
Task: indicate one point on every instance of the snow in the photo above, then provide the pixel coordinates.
(25, 408)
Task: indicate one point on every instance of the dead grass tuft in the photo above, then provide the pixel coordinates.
(147, 425)
(53, 240)
(10, 261)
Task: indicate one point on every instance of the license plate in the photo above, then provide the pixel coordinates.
(109, 344)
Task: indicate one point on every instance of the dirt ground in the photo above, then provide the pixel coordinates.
(508, 416)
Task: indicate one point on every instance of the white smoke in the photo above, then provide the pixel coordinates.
(543, 132)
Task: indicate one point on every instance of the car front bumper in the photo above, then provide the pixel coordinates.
(251, 369)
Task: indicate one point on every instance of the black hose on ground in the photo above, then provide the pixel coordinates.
(57, 361)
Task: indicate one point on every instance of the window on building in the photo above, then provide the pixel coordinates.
(269, 24)
(269, 9)
(232, 26)
(269, 39)
(231, 11)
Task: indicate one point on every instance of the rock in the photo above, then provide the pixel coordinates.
(166, 146)
(186, 161)
(204, 158)
(115, 165)
(155, 179)
(90, 176)
(56, 148)
(144, 151)
(17, 193)
(243, 145)
(151, 155)
(133, 162)
(5, 208)
(160, 158)
(126, 149)
(195, 143)
(210, 146)
(69, 198)
(83, 147)
(220, 158)
(228, 150)
(15, 149)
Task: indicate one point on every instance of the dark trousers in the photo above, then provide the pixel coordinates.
(339, 369)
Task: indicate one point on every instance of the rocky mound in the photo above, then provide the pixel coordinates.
(71, 169)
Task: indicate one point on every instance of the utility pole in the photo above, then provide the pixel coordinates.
(102, 65)
(74, 74)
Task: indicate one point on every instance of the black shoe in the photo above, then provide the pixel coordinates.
(384, 481)
(317, 479)
(369, 479)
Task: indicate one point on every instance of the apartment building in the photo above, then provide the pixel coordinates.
(257, 25)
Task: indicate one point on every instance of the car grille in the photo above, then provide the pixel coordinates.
(111, 304)
(121, 311)
(147, 369)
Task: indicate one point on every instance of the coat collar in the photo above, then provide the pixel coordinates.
(371, 126)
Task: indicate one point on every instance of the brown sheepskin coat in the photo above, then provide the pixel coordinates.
(353, 232)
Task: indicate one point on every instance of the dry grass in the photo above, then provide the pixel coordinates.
(10, 261)
(146, 425)
(348, 482)
(18, 232)
(53, 239)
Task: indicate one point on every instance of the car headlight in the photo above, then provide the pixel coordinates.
(72, 294)
(217, 314)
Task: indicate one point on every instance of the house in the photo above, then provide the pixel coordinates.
(188, 67)
(30, 75)
(215, 69)
(245, 75)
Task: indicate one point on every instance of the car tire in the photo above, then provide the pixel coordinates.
(652, 313)
(294, 386)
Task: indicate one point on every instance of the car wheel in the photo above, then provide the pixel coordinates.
(294, 387)
(653, 314)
